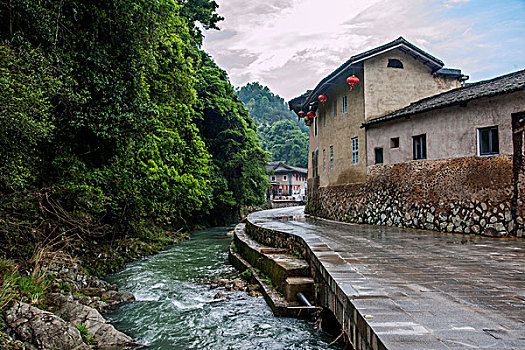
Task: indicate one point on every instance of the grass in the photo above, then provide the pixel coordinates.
(268, 281)
(7, 284)
(246, 275)
(297, 254)
(86, 337)
(29, 289)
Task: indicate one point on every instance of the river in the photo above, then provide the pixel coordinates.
(175, 308)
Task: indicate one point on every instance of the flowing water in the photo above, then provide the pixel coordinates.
(175, 308)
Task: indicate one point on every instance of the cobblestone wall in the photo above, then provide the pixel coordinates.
(464, 195)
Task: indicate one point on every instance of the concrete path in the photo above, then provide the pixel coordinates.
(420, 289)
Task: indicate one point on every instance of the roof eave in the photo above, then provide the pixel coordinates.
(460, 102)
(427, 59)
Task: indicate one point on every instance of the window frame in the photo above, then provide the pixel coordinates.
(422, 148)
(335, 109)
(394, 142)
(331, 156)
(344, 104)
(355, 150)
(324, 159)
(394, 63)
(490, 140)
(382, 155)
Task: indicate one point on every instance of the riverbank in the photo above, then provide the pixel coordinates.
(49, 249)
(189, 297)
(55, 299)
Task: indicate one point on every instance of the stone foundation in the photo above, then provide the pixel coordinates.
(464, 195)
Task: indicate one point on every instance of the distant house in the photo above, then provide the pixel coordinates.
(287, 183)
(410, 144)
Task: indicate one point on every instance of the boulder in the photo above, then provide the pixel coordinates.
(117, 297)
(104, 333)
(42, 329)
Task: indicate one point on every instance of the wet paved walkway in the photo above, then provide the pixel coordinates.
(420, 289)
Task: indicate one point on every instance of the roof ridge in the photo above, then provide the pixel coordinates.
(311, 94)
(465, 87)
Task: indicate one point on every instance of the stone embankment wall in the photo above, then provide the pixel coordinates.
(463, 195)
(328, 293)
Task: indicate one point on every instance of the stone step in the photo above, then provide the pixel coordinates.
(277, 302)
(276, 263)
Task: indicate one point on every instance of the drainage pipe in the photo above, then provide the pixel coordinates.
(302, 299)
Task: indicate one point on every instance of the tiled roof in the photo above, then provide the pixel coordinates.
(297, 102)
(310, 96)
(282, 167)
(501, 85)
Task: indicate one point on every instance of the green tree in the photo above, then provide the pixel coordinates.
(278, 129)
(285, 141)
(238, 177)
(114, 110)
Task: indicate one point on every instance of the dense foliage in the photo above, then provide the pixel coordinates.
(114, 121)
(280, 132)
(285, 141)
(238, 177)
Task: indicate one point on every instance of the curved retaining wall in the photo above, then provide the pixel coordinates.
(329, 294)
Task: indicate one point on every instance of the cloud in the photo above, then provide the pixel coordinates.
(290, 45)
(450, 3)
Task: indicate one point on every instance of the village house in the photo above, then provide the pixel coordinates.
(397, 139)
(287, 183)
(390, 77)
(475, 120)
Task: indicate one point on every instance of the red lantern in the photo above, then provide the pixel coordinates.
(353, 80)
(301, 114)
(307, 121)
(323, 98)
(311, 114)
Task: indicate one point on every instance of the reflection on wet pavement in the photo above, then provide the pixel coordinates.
(464, 290)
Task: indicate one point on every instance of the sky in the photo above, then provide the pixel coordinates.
(290, 45)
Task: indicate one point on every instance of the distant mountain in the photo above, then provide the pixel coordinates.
(280, 132)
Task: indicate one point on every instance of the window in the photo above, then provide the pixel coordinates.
(324, 160)
(315, 163)
(420, 146)
(331, 157)
(335, 109)
(379, 155)
(394, 142)
(344, 104)
(284, 177)
(488, 141)
(315, 126)
(355, 150)
(394, 63)
(273, 177)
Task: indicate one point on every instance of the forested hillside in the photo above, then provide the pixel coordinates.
(279, 131)
(115, 124)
